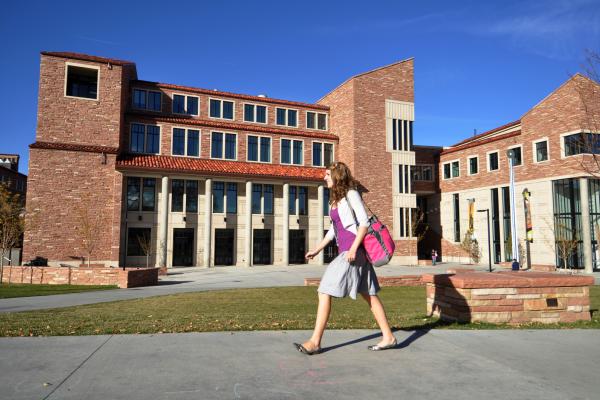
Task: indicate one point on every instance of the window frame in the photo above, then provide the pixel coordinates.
(80, 65)
(286, 124)
(534, 150)
(185, 104)
(259, 149)
(185, 144)
(296, 212)
(281, 139)
(563, 153)
(140, 208)
(254, 114)
(450, 162)
(487, 159)
(322, 158)
(160, 130)
(147, 91)
(224, 142)
(316, 128)
(221, 109)
(469, 165)
(518, 146)
(184, 202)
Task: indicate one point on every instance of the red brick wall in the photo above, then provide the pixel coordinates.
(72, 120)
(58, 184)
(357, 111)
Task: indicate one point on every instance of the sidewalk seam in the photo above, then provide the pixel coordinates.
(77, 368)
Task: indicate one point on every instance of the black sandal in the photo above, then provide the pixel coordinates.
(304, 350)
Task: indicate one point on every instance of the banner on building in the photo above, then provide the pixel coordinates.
(471, 214)
(528, 224)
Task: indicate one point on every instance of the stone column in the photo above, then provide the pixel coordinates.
(285, 237)
(248, 235)
(585, 225)
(164, 222)
(320, 224)
(207, 223)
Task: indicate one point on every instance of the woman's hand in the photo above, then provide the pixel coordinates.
(311, 254)
(351, 255)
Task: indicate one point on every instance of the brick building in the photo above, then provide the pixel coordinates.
(553, 145)
(10, 175)
(205, 177)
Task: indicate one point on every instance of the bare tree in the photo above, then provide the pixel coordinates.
(145, 242)
(588, 90)
(11, 223)
(89, 226)
(418, 227)
(567, 242)
(471, 247)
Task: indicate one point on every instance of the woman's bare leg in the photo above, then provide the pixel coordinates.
(379, 314)
(322, 316)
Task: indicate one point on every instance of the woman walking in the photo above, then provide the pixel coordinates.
(350, 273)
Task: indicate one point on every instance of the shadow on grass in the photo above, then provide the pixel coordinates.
(418, 332)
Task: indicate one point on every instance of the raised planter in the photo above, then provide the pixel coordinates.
(124, 278)
(508, 297)
(404, 280)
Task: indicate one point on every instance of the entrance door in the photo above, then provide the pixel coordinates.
(224, 242)
(183, 247)
(297, 246)
(261, 249)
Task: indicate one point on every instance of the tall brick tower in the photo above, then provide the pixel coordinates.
(72, 162)
(372, 114)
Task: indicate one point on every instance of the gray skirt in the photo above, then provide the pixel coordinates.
(343, 279)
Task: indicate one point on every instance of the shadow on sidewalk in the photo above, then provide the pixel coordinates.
(418, 332)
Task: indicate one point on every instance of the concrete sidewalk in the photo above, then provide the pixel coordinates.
(499, 364)
(181, 280)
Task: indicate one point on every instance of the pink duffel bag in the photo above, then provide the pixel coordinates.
(378, 242)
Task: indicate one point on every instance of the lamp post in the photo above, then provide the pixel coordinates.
(513, 211)
(487, 217)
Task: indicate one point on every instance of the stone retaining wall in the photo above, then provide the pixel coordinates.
(404, 280)
(508, 297)
(124, 278)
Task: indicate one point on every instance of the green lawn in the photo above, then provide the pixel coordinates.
(241, 309)
(23, 290)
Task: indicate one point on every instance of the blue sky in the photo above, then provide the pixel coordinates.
(478, 64)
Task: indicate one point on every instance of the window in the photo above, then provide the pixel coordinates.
(473, 165)
(227, 150)
(405, 222)
(493, 161)
(186, 142)
(456, 204)
(183, 104)
(451, 169)
(147, 100)
(517, 156)
(316, 120)
(232, 198)
(182, 189)
(404, 179)
(221, 109)
(147, 187)
(298, 200)
(286, 117)
(82, 82)
(422, 172)
(145, 139)
(291, 152)
(255, 113)
(218, 192)
(322, 154)
(259, 148)
(402, 135)
(326, 205)
(582, 143)
(262, 199)
(541, 151)
(136, 240)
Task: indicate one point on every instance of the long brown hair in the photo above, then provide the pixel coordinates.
(342, 181)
